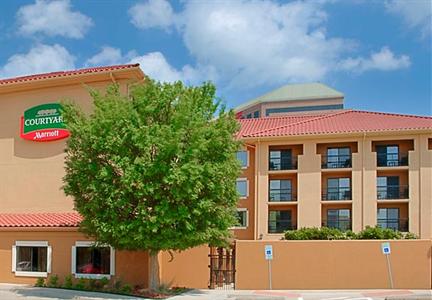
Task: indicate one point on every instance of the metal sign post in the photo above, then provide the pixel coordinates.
(269, 257)
(386, 251)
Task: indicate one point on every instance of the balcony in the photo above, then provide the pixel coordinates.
(395, 224)
(335, 161)
(336, 194)
(282, 195)
(392, 160)
(280, 226)
(392, 192)
(278, 164)
(338, 223)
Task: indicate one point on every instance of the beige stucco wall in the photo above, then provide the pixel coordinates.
(130, 266)
(31, 172)
(333, 265)
(186, 268)
(311, 179)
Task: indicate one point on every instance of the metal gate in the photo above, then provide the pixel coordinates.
(222, 268)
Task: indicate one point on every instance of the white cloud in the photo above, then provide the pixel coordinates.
(109, 56)
(52, 18)
(153, 64)
(384, 60)
(417, 14)
(152, 13)
(40, 59)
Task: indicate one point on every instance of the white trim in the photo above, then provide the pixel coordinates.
(247, 187)
(247, 218)
(31, 244)
(247, 158)
(86, 244)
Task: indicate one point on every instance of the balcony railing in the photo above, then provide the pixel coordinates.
(282, 195)
(392, 160)
(280, 226)
(335, 161)
(393, 192)
(336, 194)
(395, 224)
(338, 223)
(289, 163)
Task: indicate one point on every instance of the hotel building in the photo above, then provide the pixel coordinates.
(307, 161)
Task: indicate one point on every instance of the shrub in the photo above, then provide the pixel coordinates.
(126, 289)
(104, 282)
(40, 282)
(81, 284)
(53, 281)
(369, 233)
(68, 283)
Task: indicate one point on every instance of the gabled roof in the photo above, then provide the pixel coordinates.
(60, 74)
(346, 121)
(70, 219)
(293, 92)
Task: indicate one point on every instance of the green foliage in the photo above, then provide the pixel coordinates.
(378, 233)
(410, 236)
(155, 170)
(53, 281)
(68, 283)
(369, 233)
(40, 282)
(104, 282)
(126, 289)
(80, 284)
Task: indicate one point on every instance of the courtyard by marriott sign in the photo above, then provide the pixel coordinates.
(43, 123)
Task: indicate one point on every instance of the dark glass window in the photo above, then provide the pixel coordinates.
(339, 218)
(279, 221)
(242, 218)
(93, 260)
(256, 114)
(338, 189)
(280, 160)
(388, 156)
(388, 187)
(280, 190)
(31, 259)
(249, 116)
(242, 188)
(338, 158)
(388, 218)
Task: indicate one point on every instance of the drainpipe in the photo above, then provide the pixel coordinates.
(257, 170)
(362, 180)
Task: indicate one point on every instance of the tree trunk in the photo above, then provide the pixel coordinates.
(154, 278)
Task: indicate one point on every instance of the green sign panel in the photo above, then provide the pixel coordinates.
(43, 123)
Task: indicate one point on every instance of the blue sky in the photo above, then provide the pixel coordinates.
(378, 53)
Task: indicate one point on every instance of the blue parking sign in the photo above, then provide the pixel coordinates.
(385, 248)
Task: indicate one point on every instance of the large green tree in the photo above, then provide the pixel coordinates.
(154, 170)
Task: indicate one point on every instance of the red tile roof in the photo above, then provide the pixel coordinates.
(71, 219)
(336, 122)
(66, 73)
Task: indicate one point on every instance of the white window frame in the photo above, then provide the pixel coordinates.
(247, 158)
(87, 244)
(247, 187)
(31, 244)
(247, 219)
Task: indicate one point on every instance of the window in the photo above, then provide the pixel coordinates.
(388, 156)
(256, 114)
(242, 187)
(389, 218)
(279, 221)
(388, 187)
(280, 190)
(280, 160)
(338, 158)
(243, 157)
(249, 116)
(242, 215)
(339, 218)
(89, 261)
(31, 258)
(338, 189)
